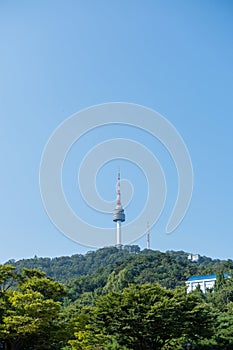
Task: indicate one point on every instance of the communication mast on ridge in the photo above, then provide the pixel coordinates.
(148, 236)
(118, 214)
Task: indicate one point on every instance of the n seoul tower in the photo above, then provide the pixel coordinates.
(118, 213)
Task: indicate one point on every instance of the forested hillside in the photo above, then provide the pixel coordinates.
(170, 269)
(114, 300)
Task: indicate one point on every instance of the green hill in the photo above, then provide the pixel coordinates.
(170, 269)
(115, 300)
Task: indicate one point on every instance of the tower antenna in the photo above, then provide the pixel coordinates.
(148, 236)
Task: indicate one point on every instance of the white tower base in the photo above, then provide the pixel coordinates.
(118, 234)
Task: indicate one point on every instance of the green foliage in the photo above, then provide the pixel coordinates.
(28, 308)
(224, 335)
(37, 281)
(8, 276)
(117, 282)
(223, 292)
(143, 317)
(170, 269)
(115, 299)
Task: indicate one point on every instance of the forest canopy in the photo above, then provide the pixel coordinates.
(114, 299)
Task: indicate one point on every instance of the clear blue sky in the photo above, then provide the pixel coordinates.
(58, 57)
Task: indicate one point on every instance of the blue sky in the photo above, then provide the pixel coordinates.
(59, 57)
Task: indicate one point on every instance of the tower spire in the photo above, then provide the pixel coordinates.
(118, 213)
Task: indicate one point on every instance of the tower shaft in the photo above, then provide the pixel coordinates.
(118, 243)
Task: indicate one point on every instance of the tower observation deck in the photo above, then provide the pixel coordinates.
(118, 213)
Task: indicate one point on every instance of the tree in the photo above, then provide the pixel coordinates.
(142, 317)
(224, 334)
(8, 276)
(117, 282)
(37, 281)
(223, 292)
(29, 310)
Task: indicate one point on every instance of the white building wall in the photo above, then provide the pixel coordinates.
(204, 284)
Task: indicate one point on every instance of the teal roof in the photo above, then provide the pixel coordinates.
(203, 277)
